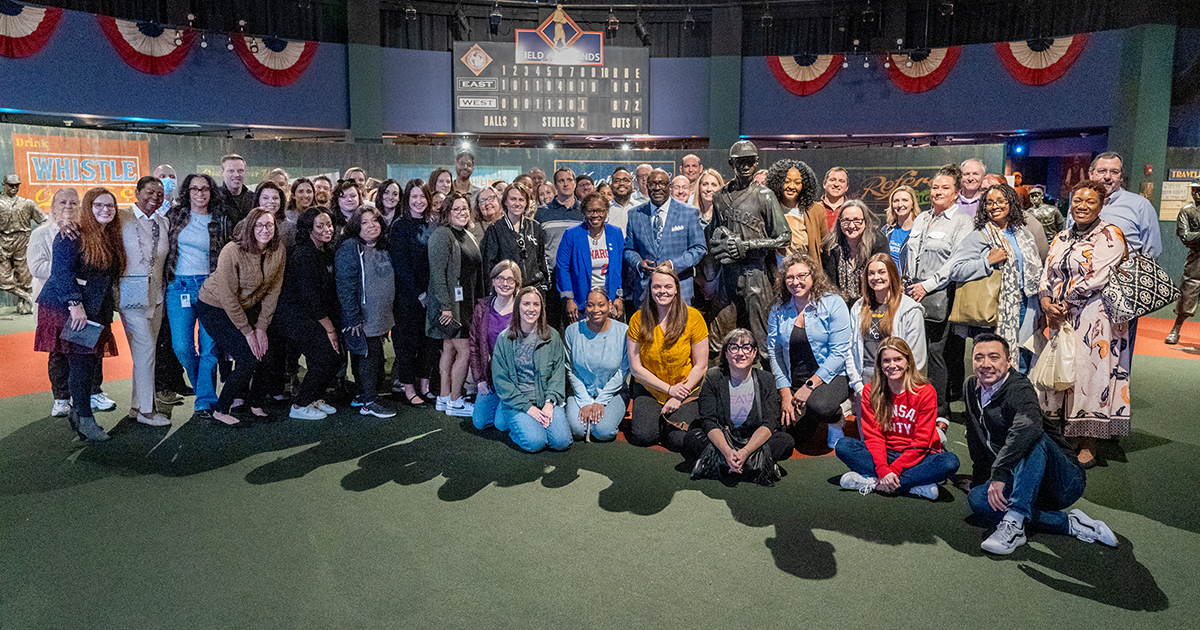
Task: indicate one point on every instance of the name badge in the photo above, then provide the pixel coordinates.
(458, 294)
(185, 300)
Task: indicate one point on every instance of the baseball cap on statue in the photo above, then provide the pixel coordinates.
(1195, 183)
(12, 179)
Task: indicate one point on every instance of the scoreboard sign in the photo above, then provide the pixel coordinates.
(557, 79)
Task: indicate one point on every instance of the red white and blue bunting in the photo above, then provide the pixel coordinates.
(272, 60)
(24, 30)
(805, 74)
(921, 71)
(148, 47)
(1040, 61)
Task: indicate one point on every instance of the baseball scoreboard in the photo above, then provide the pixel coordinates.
(555, 80)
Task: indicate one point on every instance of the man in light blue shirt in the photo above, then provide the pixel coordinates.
(1127, 210)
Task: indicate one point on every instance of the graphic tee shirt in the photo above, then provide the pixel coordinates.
(599, 249)
(741, 400)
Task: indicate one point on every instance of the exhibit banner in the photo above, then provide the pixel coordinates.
(46, 164)
(874, 185)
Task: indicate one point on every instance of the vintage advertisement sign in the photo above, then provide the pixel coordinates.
(49, 163)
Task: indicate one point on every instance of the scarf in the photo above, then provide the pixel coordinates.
(850, 273)
(1013, 288)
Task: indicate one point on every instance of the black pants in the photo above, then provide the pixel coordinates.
(938, 336)
(416, 354)
(648, 426)
(230, 341)
(824, 406)
(368, 369)
(82, 370)
(168, 373)
(779, 446)
(58, 368)
(309, 338)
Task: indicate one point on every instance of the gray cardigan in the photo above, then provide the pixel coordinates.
(445, 267)
(908, 324)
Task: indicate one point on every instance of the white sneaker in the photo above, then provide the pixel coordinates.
(101, 402)
(928, 491)
(1005, 540)
(311, 412)
(1088, 529)
(443, 402)
(61, 408)
(855, 481)
(460, 408)
(325, 407)
(155, 420)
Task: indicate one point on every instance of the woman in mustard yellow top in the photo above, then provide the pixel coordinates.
(668, 355)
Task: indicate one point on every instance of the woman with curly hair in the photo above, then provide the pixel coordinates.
(795, 186)
(1002, 242)
(808, 342)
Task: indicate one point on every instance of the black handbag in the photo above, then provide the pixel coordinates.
(1138, 286)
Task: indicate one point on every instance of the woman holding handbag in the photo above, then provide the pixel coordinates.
(1079, 266)
(1005, 303)
(927, 275)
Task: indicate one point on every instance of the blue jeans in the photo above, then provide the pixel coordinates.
(486, 406)
(606, 429)
(530, 435)
(1044, 483)
(934, 468)
(201, 366)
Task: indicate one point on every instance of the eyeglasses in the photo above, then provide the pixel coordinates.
(852, 222)
(199, 189)
(104, 206)
(622, 180)
(504, 280)
(263, 226)
(995, 204)
(803, 275)
(740, 348)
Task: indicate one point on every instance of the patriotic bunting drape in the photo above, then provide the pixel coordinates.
(272, 60)
(1040, 61)
(148, 47)
(921, 71)
(24, 29)
(805, 74)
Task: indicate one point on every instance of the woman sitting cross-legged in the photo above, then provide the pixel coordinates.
(529, 376)
(900, 450)
(491, 319)
(597, 365)
(739, 428)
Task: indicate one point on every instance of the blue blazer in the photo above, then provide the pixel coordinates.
(682, 240)
(575, 259)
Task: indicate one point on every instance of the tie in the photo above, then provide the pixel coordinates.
(657, 224)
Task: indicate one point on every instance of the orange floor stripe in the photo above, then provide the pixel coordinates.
(26, 369)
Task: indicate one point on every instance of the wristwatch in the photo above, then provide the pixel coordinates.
(73, 303)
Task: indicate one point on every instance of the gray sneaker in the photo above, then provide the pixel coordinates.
(377, 409)
(1088, 529)
(1005, 540)
(855, 481)
(89, 431)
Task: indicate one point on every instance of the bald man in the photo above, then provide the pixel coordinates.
(681, 189)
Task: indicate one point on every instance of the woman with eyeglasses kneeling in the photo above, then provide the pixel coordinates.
(739, 428)
(900, 450)
(237, 303)
(597, 366)
(529, 375)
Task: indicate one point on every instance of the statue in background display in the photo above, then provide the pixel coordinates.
(1049, 216)
(1187, 228)
(748, 226)
(16, 215)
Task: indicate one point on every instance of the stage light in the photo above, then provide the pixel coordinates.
(494, 19)
(462, 28)
(767, 19)
(410, 12)
(229, 135)
(249, 136)
(639, 29)
(868, 14)
(947, 8)
(625, 146)
(612, 23)
(550, 146)
(689, 22)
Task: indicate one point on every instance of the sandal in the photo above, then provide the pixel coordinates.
(417, 402)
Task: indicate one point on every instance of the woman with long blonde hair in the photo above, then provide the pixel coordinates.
(900, 450)
(902, 211)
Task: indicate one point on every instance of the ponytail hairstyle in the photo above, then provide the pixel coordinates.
(882, 398)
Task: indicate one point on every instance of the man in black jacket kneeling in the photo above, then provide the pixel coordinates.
(1023, 471)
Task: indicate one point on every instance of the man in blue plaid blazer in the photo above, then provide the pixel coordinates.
(663, 230)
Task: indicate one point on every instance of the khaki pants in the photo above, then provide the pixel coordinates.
(141, 328)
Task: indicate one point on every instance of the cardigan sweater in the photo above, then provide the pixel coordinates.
(714, 403)
(243, 280)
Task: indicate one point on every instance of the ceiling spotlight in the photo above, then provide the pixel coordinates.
(229, 135)
(639, 29)
(550, 145)
(466, 145)
(624, 146)
(203, 40)
(900, 41)
(249, 136)
(845, 64)
(410, 12)
(868, 14)
(767, 19)
(462, 28)
(689, 22)
(494, 19)
(866, 64)
(946, 8)
(612, 23)
(887, 64)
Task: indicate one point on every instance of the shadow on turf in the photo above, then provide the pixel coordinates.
(417, 447)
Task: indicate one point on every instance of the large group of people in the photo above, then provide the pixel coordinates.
(729, 320)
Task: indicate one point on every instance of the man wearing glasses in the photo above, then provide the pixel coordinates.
(623, 201)
(1129, 211)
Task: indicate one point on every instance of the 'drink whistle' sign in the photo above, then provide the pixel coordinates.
(49, 163)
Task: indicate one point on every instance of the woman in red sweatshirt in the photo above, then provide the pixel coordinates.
(900, 450)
